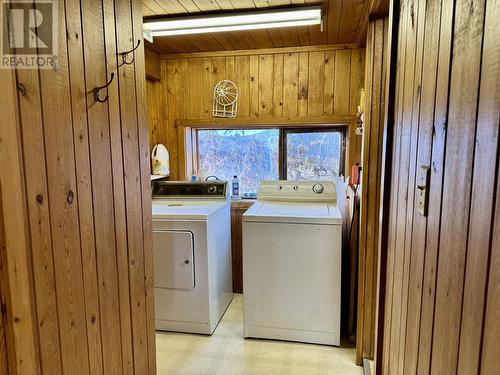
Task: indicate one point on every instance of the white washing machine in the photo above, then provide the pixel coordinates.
(292, 238)
(192, 255)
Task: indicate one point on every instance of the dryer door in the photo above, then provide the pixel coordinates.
(173, 259)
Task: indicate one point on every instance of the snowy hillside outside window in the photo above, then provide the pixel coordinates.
(269, 154)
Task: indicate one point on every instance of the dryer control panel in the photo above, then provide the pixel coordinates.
(186, 190)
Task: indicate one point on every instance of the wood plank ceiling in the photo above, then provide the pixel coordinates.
(344, 21)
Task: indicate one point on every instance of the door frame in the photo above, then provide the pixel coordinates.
(386, 178)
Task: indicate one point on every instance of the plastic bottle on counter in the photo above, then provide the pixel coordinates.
(235, 188)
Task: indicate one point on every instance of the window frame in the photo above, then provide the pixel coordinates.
(282, 146)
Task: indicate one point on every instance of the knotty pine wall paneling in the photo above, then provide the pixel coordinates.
(155, 112)
(75, 185)
(16, 282)
(153, 86)
(4, 361)
(152, 65)
(319, 85)
(144, 165)
(117, 170)
(441, 298)
(7, 358)
(373, 131)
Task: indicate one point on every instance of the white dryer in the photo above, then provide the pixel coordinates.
(292, 238)
(192, 255)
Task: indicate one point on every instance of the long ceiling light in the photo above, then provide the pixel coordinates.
(232, 22)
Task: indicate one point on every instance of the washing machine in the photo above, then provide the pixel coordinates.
(292, 238)
(192, 255)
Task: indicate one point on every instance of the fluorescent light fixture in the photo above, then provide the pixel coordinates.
(233, 21)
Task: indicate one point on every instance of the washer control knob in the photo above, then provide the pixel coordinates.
(318, 188)
(280, 187)
(295, 187)
(212, 189)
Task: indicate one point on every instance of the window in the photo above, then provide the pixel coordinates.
(250, 154)
(256, 154)
(313, 154)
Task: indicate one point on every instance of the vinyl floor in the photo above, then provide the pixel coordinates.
(227, 352)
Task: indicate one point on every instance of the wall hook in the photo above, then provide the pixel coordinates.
(98, 89)
(125, 54)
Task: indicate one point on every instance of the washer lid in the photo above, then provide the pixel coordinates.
(299, 213)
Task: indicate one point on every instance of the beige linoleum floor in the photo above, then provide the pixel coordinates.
(227, 352)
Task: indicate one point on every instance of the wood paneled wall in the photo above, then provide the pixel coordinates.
(15, 245)
(76, 188)
(153, 65)
(153, 75)
(442, 305)
(373, 131)
(5, 335)
(305, 83)
(4, 364)
(155, 111)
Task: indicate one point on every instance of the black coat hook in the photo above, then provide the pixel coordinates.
(98, 89)
(125, 54)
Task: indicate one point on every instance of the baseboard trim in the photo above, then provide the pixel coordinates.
(366, 367)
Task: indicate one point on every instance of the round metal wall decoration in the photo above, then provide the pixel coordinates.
(225, 103)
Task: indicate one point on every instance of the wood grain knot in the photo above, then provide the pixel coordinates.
(21, 88)
(39, 198)
(70, 197)
(303, 94)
